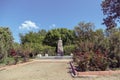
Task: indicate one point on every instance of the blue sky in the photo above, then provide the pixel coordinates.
(22, 16)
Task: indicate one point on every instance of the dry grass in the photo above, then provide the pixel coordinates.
(45, 70)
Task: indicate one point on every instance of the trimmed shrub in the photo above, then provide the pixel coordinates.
(68, 49)
(45, 50)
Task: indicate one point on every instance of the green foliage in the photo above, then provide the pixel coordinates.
(35, 46)
(40, 49)
(53, 36)
(32, 41)
(85, 38)
(51, 51)
(42, 42)
(6, 41)
(16, 45)
(93, 49)
(114, 45)
(8, 60)
(69, 49)
(32, 37)
(96, 50)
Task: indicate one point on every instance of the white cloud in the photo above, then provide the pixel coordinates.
(29, 25)
(53, 26)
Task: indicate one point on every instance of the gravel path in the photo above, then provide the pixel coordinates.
(44, 70)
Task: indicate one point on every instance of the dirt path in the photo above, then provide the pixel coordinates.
(44, 70)
(38, 70)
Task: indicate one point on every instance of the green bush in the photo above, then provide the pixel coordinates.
(45, 50)
(49, 50)
(68, 49)
(8, 60)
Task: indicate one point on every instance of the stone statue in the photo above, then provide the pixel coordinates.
(60, 47)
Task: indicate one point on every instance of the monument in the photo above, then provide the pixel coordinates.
(60, 47)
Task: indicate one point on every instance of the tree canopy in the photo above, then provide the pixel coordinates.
(6, 41)
(53, 36)
(111, 8)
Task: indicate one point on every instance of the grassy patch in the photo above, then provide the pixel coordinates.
(7, 61)
(115, 69)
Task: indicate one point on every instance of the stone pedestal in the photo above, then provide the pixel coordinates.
(39, 55)
(46, 55)
(71, 54)
(60, 48)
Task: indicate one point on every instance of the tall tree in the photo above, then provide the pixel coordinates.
(33, 37)
(84, 33)
(33, 41)
(51, 38)
(6, 41)
(111, 8)
(53, 35)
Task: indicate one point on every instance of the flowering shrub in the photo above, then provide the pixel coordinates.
(90, 61)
